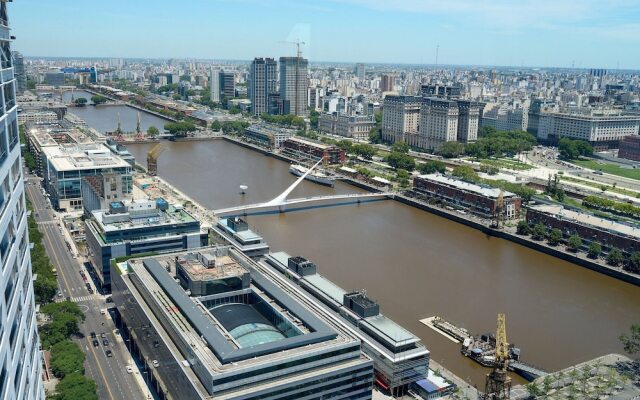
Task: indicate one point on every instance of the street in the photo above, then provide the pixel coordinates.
(110, 373)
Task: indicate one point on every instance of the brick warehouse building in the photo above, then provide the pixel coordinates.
(302, 147)
(589, 227)
(478, 199)
(630, 148)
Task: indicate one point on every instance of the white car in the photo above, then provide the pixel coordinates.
(129, 369)
(155, 363)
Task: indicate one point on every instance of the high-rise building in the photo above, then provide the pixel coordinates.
(387, 82)
(227, 84)
(93, 74)
(263, 81)
(438, 122)
(55, 79)
(18, 68)
(294, 82)
(214, 85)
(468, 120)
(400, 118)
(20, 359)
(360, 72)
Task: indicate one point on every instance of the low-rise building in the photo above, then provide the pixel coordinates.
(589, 227)
(65, 165)
(37, 116)
(305, 148)
(479, 199)
(268, 135)
(235, 230)
(399, 357)
(350, 126)
(130, 228)
(99, 191)
(257, 341)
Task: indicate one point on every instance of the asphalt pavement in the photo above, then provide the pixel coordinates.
(110, 373)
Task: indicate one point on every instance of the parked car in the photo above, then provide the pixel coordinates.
(129, 369)
(109, 353)
(96, 343)
(105, 342)
(103, 335)
(155, 363)
(93, 335)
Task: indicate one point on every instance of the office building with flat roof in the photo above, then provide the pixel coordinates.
(227, 84)
(258, 338)
(603, 129)
(20, 356)
(387, 82)
(268, 135)
(398, 356)
(214, 85)
(65, 165)
(263, 81)
(129, 228)
(294, 82)
(438, 122)
(235, 230)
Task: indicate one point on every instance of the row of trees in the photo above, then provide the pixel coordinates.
(617, 207)
(289, 120)
(45, 285)
(491, 143)
(180, 128)
(572, 149)
(574, 243)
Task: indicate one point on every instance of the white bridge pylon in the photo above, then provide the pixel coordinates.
(282, 197)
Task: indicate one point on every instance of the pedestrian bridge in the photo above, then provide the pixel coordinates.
(281, 204)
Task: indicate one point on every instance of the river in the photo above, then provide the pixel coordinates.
(417, 265)
(104, 118)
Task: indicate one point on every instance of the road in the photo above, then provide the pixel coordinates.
(109, 372)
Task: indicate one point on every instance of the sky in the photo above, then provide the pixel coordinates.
(545, 33)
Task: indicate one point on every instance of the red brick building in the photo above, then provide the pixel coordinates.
(630, 148)
(331, 154)
(478, 199)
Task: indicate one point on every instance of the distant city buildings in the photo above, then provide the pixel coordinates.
(55, 79)
(294, 82)
(19, 71)
(350, 126)
(263, 82)
(227, 84)
(360, 72)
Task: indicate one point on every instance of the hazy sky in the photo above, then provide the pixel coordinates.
(589, 33)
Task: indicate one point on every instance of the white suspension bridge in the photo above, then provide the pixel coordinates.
(282, 204)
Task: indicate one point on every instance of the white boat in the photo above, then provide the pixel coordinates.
(314, 176)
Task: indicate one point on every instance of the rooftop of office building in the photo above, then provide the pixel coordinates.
(236, 329)
(206, 266)
(483, 190)
(47, 134)
(76, 156)
(132, 214)
(589, 219)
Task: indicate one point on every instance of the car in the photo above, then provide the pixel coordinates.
(105, 342)
(96, 343)
(93, 335)
(103, 335)
(103, 311)
(109, 353)
(155, 363)
(59, 293)
(129, 369)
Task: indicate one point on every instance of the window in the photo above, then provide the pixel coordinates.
(9, 95)
(13, 133)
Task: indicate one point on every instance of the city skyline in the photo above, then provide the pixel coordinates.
(370, 31)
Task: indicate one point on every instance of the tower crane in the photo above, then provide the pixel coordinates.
(498, 383)
(297, 43)
(152, 158)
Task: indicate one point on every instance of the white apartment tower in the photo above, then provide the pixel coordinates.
(214, 85)
(20, 359)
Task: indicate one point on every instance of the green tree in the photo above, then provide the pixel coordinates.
(345, 145)
(375, 135)
(176, 96)
(80, 102)
(235, 110)
(450, 149)
(98, 99)
(153, 131)
(401, 161)
(76, 387)
(633, 263)
(539, 231)
(216, 125)
(555, 236)
(180, 128)
(533, 389)
(615, 257)
(403, 177)
(400, 147)
(431, 167)
(594, 250)
(466, 173)
(523, 228)
(631, 342)
(365, 151)
(313, 119)
(66, 358)
(574, 243)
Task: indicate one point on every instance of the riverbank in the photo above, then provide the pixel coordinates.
(476, 223)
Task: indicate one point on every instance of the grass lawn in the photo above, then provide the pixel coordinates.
(505, 163)
(597, 185)
(609, 168)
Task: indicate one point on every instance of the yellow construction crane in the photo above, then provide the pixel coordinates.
(152, 158)
(297, 43)
(498, 383)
